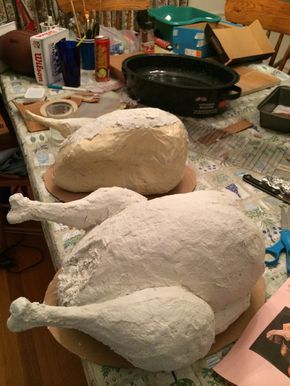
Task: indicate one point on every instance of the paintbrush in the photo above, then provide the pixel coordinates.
(85, 10)
(81, 40)
(76, 19)
(87, 17)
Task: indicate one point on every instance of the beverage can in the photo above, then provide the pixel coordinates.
(102, 58)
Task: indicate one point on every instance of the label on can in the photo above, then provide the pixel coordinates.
(102, 58)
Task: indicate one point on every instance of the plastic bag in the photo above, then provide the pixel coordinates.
(121, 41)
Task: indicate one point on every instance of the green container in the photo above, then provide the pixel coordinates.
(168, 17)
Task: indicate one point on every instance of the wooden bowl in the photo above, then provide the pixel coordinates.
(90, 349)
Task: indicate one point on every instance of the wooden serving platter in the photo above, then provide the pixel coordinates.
(186, 185)
(90, 349)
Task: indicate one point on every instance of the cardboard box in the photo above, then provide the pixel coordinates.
(190, 40)
(45, 59)
(237, 45)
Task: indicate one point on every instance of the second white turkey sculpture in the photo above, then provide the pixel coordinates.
(143, 149)
(154, 280)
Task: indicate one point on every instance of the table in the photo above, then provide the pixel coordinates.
(218, 166)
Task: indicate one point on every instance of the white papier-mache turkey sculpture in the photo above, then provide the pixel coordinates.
(142, 149)
(155, 280)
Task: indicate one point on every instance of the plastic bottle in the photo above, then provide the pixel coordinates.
(146, 32)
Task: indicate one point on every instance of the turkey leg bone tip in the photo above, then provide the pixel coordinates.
(82, 214)
(64, 126)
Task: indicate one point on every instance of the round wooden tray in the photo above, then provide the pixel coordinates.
(90, 349)
(186, 185)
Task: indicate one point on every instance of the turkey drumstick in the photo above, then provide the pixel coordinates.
(141, 326)
(82, 214)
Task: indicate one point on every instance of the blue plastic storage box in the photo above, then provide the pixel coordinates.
(168, 17)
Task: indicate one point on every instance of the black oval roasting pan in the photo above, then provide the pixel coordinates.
(181, 84)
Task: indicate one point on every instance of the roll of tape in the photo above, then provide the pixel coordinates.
(61, 108)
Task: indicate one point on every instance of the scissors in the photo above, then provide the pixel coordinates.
(283, 244)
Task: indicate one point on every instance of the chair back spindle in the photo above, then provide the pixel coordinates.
(274, 15)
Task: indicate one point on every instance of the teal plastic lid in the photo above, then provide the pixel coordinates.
(175, 16)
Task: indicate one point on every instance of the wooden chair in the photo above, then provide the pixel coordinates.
(103, 5)
(117, 13)
(9, 183)
(274, 15)
(7, 135)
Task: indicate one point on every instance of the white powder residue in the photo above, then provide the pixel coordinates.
(140, 118)
(74, 280)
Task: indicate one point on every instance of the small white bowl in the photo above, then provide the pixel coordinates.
(34, 94)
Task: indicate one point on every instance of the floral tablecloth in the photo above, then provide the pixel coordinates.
(218, 166)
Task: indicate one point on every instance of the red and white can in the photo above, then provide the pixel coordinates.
(102, 58)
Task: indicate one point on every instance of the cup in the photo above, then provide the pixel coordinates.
(88, 54)
(69, 58)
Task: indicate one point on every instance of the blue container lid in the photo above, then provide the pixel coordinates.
(176, 16)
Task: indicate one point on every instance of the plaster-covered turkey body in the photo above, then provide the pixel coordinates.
(156, 280)
(173, 240)
(143, 149)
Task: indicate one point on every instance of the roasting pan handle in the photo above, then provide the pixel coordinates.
(235, 95)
